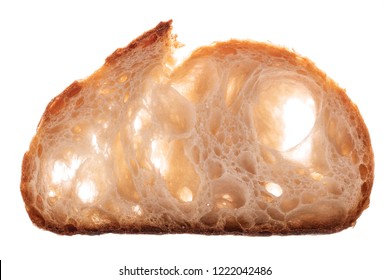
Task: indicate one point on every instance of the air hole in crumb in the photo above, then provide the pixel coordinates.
(316, 176)
(210, 219)
(274, 189)
(122, 78)
(157, 157)
(231, 225)
(217, 151)
(51, 193)
(64, 171)
(185, 194)
(364, 188)
(76, 129)
(248, 162)
(333, 188)
(363, 171)
(86, 191)
(195, 154)
(137, 209)
(308, 198)
(288, 204)
(232, 90)
(180, 175)
(275, 214)
(228, 193)
(79, 102)
(246, 220)
(215, 121)
(137, 124)
(215, 169)
(126, 96)
(267, 156)
(105, 90)
(347, 145)
(284, 114)
(339, 135)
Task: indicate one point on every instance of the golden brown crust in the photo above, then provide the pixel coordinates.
(57, 104)
(363, 134)
(146, 39)
(27, 170)
(69, 229)
(162, 33)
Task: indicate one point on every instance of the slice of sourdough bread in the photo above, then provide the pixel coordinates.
(241, 138)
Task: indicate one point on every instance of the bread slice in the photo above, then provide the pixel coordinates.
(241, 138)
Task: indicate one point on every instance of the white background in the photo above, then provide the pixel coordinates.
(45, 46)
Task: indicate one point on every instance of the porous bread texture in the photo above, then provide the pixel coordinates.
(210, 146)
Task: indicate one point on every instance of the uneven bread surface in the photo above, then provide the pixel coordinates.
(242, 137)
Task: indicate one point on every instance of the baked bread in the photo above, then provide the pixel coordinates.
(241, 138)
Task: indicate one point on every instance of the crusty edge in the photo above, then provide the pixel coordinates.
(146, 39)
(366, 187)
(152, 229)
